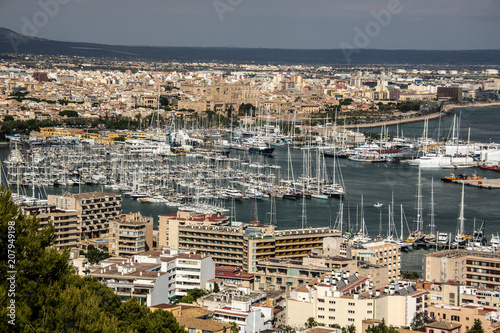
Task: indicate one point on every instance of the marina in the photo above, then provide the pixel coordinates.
(154, 181)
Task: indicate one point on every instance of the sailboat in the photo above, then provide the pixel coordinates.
(431, 237)
(418, 234)
(362, 235)
(319, 194)
(461, 238)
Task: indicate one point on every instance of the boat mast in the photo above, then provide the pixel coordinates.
(461, 219)
(420, 223)
(401, 237)
(432, 225)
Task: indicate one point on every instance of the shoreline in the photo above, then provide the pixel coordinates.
(447, 110)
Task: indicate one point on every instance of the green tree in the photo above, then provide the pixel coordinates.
(193, 295)
(69, 113)
(234, 327)
(216, 287)
(49, 296)
(311, 322)
(349, 329)
(381, 328)
(95, 255)
(477, 327)
(409, 275)
(119, 138)
(8, 118)
(347, 101)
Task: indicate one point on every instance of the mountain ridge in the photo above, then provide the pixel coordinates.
(13, 42)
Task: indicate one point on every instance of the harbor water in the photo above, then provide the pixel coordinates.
(370, 183)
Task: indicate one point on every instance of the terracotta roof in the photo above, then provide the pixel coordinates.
(194, 311)
(443, 325)
(202, 324)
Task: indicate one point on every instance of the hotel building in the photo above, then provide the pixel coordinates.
(66, 224)
(239, 246)
(95, 210)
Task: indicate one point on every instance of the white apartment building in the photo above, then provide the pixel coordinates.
(343, 299)
(156, 277)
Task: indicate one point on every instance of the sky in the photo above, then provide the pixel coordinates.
(289, 24)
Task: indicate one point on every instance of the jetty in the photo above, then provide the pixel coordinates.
(483, 183)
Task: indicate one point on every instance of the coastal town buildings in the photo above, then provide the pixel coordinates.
(237, 246)
(67, 227)
(345, 299)
(155, 277)
(130, 234)
(465, 315)
(469, 268)
(95, 210)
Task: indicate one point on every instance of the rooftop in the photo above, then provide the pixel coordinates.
(462, 253)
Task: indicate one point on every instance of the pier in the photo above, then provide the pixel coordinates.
(483, 183)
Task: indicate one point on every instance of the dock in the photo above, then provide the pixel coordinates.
(483, 183)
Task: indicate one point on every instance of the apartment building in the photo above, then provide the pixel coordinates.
(270, 303)
(65, 222)
(249, 319)
(469, 268)
(465, 315)
(95, 210)
(239, 246)
(130, 234)
(234, 275)
(286, 275)
(378, 253)
(156, 277)
(455, 294)
(345, 299)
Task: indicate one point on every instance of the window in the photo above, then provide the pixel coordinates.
(444, 315)
(321, 300)
(331, 302)
(455, 318)
(351, 304)
(350, 319)
(350, 311)
(331, 318)
(321, 317)
(331, 310)
(321, 309)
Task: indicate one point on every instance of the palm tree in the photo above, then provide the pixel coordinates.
(234, 327)
(311, 322)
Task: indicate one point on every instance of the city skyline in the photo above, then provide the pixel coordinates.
(290, 24)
